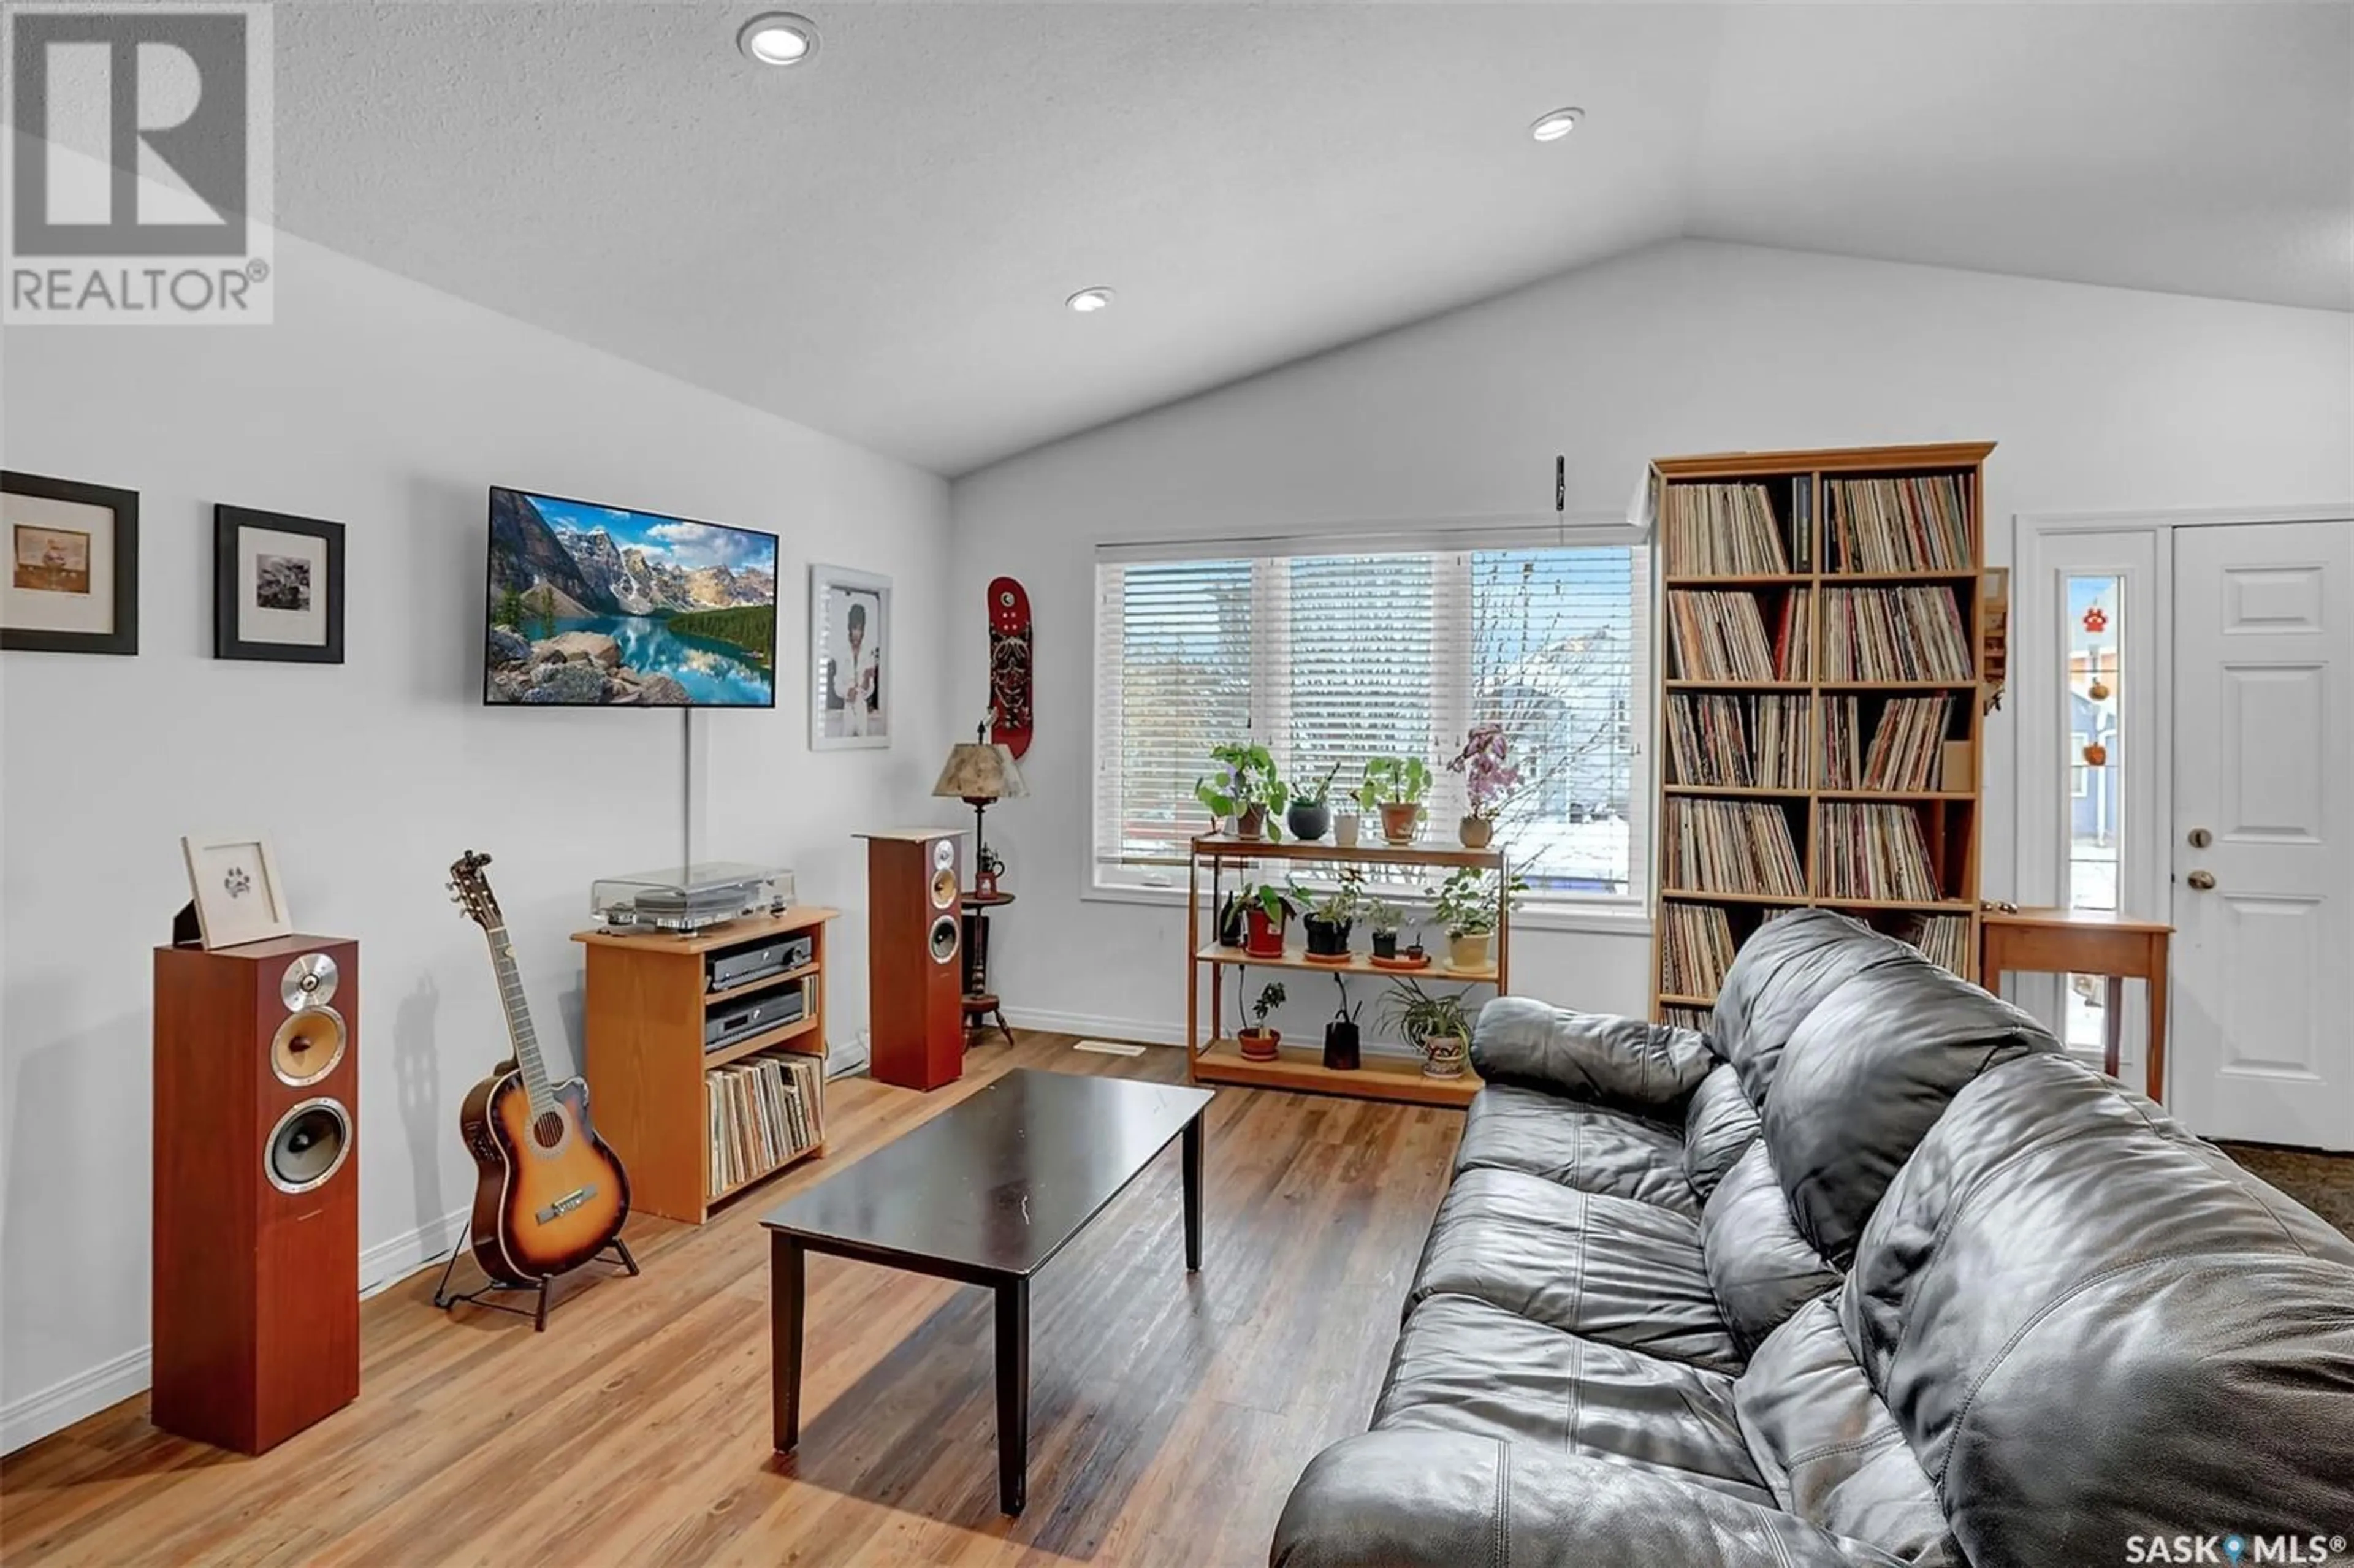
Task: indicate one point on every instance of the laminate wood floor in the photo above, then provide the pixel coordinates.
(1170, 1414)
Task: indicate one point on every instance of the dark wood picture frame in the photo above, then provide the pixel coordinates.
(229, 522)
(125, 506)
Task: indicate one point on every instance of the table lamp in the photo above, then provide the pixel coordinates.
(977, 773)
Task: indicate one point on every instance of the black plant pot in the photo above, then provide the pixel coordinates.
(1327, 939)
(1230, 922)
(1308, 823)
(1340, 1045)
(1386, 944)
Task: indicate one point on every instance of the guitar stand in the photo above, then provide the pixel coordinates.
(537, 1313)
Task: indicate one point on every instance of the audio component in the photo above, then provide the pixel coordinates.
(256, 1246)
(732, 966)
(724, 1026)
(706, 893)
(913, 945)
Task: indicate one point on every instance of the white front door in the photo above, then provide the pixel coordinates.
(2263, 1042)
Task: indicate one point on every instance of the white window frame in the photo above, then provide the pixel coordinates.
(1614, 914)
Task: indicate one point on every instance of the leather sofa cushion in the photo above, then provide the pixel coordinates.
(1588, 1147)
(1828, 1447)
(1464, 1365)
(1780, 975)
(1626, 1272)
(1759, 1266)
(1720, 1124)
(1867, 1074)
(2088, 1332)
(1627, 1062)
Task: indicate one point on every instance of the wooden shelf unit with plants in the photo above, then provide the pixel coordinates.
(1817, 724)
(649, 1079)
(1213, 1057)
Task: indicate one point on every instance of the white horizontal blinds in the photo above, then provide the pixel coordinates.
(1551, 654)
(1358, 674)
(1173, 678)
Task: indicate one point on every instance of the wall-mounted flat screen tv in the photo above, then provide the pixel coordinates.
(603, 607)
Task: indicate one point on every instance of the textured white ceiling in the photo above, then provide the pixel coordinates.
(879, 244)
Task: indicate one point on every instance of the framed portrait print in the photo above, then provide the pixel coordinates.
(234, 880)
(73, 566)
(850, 658)
(278, 587)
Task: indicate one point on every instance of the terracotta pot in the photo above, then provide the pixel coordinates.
(1470, 952)
(1400, 822)
(1444, 1055)
(1475, 832)
(1251, 823)
(1344, 830)
(1259, 1044)
(1266, 939)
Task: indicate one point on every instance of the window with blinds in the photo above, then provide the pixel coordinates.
(1335, 658)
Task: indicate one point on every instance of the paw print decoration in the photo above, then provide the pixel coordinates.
(237, 883)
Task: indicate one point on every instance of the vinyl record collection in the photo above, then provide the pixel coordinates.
(1894, 634)
(1700, 1020)
(1760, 742)
(1916, 524)
(1945, 938)
(1695, 948)
(1729, 846)
(1874, 852)
(1906, 744)
(764, 1110)
(1720, 636)
(1730, 530)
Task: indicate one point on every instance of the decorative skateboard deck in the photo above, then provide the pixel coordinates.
(1009, 665)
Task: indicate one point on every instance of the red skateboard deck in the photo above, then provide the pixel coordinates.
(1009, 665)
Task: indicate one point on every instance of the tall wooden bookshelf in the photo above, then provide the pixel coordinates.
(1815, 543)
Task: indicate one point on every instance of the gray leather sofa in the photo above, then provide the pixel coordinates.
(1873, 1276)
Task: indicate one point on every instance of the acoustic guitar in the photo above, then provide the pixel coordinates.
(551, 1194)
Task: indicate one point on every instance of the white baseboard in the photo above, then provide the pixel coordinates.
(130, 1374)
(1097, 1028)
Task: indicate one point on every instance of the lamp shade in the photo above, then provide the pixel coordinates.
(978, 771)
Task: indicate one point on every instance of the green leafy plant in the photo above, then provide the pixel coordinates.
(1339, 904)
(1384, 917)
(1270, 997)
(1250, 781)
(1367, 794)
(1424, 1016)
(1464, 905)
(1317, 793)
(1275, 903)
(1396, 780)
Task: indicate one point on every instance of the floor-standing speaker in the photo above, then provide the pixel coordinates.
(256, 1308)
(913, 958)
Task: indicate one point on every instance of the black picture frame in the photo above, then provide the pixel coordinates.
(124, 506)
(229, 522)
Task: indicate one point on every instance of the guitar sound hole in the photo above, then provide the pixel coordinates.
(547, 1131)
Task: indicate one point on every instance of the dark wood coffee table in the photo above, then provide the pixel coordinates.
(986, 1194)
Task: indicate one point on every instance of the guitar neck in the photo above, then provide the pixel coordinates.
(520, 1033)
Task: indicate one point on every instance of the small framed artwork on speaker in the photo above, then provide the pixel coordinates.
(278, 587)
(233, 879)
(72, 583)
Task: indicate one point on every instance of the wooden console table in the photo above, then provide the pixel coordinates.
(2087, 942)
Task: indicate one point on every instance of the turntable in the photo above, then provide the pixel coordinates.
(691, 898)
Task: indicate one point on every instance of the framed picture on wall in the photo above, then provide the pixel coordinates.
(73, 566)
(234, 880)
(850, 658)
(278, 587)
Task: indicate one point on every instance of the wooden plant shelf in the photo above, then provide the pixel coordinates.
(1355, 964)
(1302, 1068)
(1223, 847)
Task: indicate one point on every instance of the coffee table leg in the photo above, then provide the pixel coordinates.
(786, 1279)
(1191, 1153)
(1013, 1395)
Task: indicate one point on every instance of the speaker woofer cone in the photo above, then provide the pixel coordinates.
(944, 939)
(308, 1046)
(308, 1146)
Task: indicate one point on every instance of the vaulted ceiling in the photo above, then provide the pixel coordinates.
(878, 243)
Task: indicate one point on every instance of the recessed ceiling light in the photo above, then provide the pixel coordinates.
(1553, 127)
(778, 38)
(1086, 302)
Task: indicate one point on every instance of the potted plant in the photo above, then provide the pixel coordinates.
(1488, 782)
(1249, 790)
(1266, 914)
(1385, 917)
(1435, 1025)
(1328, 917)
(1364, 798)
(1467, 908)
(1258, 1041)
(1341, 1033)
(1310, 815)
(1398, 784)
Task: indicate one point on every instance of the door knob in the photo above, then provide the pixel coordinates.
(2201, 880)
(2200, 838)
